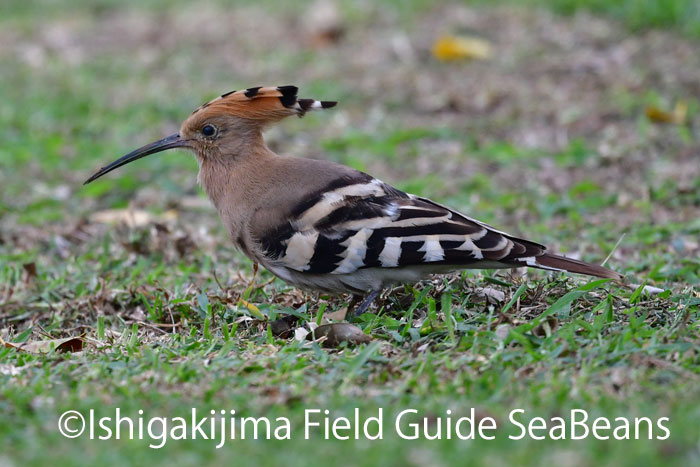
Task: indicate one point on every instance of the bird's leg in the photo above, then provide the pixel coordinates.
(371, 297)
(354, 300)
(251, 284)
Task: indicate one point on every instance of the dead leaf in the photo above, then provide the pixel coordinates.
(648, 289)
(676, 117)
(9, 370)
(502, 331)
(29, 272)
(324, 22)
(449, 48)
(282, 327)
(136, 314)
(335, 333)
(69, 344)
(254, 310)
(184, 244)
(546, 327)
(421, 348)
(337, 315)
(489, 294)
(300, 334)
(131, 217)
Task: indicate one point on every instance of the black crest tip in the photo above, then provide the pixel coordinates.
(252, 92)
(288, 91)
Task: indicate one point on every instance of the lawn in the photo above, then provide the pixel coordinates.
(579, 130)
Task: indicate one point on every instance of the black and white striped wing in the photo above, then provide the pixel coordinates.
(354, 224)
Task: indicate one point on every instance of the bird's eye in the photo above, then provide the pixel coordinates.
(208, 130)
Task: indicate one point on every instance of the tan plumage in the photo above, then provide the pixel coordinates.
(324, 226)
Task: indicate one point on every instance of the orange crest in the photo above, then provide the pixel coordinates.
(261, 104)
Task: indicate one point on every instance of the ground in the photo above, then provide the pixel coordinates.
(565, 134)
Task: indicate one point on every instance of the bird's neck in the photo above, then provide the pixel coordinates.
(232, 180)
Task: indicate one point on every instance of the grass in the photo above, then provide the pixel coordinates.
(638, 15)
(173, 319)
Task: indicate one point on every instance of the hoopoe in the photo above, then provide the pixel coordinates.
(323, 226)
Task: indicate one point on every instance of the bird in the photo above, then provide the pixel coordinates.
(326, 227)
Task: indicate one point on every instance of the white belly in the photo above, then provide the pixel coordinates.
(364, 280)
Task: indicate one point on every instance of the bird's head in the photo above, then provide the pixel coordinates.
(227, 124)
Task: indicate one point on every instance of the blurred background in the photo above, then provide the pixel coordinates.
(572, 122)
(553, 119)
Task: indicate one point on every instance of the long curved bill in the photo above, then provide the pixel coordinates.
(172, 141)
